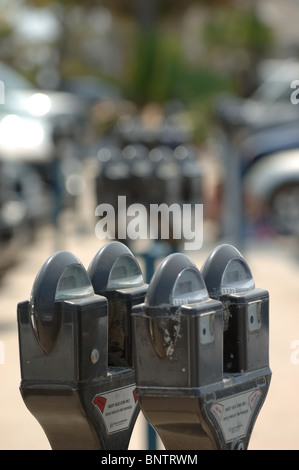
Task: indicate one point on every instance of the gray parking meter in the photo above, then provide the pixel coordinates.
(115, 273)
(166, 176)
(140, 170)
(65, 379)
(178, 345)
(246, 310)
(183, 385)
(245, 340)
(192, 173)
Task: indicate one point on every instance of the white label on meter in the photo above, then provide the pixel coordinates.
(117, 407)
(234, 413)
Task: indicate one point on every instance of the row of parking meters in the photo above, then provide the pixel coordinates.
(149, 176)
(189, 349)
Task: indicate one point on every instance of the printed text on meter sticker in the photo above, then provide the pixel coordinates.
(234, 413)
(117, 407)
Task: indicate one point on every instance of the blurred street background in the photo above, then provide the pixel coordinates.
(178, 102)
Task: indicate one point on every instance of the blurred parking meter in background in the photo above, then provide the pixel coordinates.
(113, 178)
(192, 173)
(154, 176)
(67, 382)
(187, 389)
(140, 173)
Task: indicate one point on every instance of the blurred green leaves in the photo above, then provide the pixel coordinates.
(150, 64)
(230, 41)
(232, 29)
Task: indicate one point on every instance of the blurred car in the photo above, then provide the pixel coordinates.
(25, 203)
(41, 147)
(22, 185)
(33, 121)
(271, 192)
(269, 105)
(269, 162)
(264, 142)
(44, 128)
(263, 129)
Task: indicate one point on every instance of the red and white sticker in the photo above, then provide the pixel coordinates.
(117, 407)
(234, 413)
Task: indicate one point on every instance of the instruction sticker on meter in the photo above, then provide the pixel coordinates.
(117, 407)
(234, 413)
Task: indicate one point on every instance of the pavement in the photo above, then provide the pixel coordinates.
(275, 267)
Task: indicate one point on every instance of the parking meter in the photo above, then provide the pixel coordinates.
(140, 171)
(108, 157)
(112, 181)
(246, 310)
(192, 173)
(115, 273)
(66, 383)
(183, 385)
(178, 347)
(166, 174)
(245, 334)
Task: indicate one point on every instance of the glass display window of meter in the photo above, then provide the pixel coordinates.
(181, 325)
(116, 274)
(170, 287)
(62, 277)
(246, 309)
(188, 288)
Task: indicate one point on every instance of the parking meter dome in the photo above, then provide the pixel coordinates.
(114, 267)
(175, 282)
(226, 271)
(62, 277)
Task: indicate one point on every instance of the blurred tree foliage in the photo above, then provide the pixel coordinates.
(152, 64)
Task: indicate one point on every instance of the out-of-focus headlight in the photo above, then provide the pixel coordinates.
(39, 104)
(18, 132)
(13, 212)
